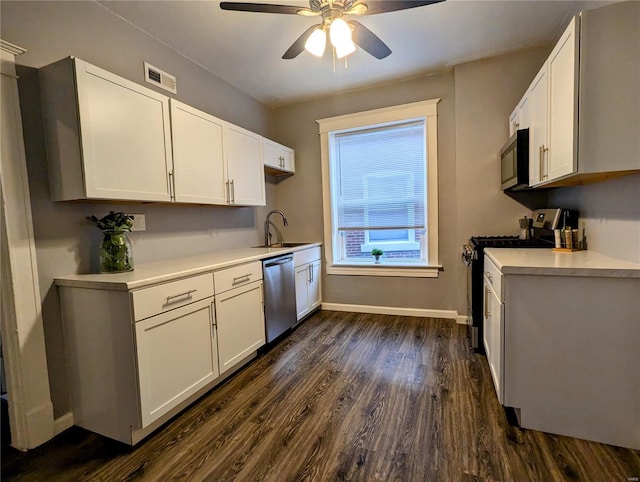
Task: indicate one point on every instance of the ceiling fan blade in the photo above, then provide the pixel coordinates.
(369, 41)
(298, 46)
(383, 6)
(266, 8)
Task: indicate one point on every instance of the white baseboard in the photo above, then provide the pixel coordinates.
(391, 310)
(463, 320)
(62, 423)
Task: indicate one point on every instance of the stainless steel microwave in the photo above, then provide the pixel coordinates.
(514, 162)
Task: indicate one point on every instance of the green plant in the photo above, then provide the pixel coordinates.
(115, 255)
(376, 252)
(119, 222)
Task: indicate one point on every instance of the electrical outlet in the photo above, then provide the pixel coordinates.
(139, 223)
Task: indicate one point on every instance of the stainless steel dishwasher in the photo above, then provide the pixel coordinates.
(279, 295)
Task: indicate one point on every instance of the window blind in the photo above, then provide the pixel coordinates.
(381, 177)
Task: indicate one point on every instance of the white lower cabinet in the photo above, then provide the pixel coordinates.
(240, 323)
(137, 357)
(494, 333)
(188, 334)
(561, 337)
(308, 286)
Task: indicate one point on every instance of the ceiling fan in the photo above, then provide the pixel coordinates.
(344, 35)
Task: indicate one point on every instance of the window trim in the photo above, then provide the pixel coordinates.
(426, 110)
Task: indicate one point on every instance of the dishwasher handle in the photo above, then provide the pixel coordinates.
(276, 262)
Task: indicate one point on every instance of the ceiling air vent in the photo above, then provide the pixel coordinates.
(160, 78)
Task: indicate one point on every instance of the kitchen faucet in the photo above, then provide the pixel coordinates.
(267, 234)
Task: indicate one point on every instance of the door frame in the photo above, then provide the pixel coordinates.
(30, 407)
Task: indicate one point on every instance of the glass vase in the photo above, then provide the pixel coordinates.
(115, 252)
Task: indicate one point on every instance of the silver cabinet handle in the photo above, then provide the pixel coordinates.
(172, 186)
(486, 293)
(233, 192)
(545, 155)
(242, 279)
(543, 158)
(541, 163)
(310, 270)
(228, 191)
(187, 295)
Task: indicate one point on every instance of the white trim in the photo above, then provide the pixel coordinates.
(11, 48)
(391, 310)
(417, 110)
(463, 320)
(28, 395)
(62, 423)
(379, 116)
(379, 270)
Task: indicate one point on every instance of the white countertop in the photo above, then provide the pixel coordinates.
(549, 262)
(167, 270)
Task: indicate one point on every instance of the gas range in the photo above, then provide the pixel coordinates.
(473, 256)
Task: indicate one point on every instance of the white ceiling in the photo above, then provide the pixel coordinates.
(245, 48)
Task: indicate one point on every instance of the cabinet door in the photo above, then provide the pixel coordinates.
(314, 285)
(278, 157)
(240, 324)
(245, 171)
(288, 159)
(494, 338)
(125, 136)
(302, 291)
(538, 127)
(177, 355)
(271, 152)
(198, 159)
(514, 122)
(563, 101)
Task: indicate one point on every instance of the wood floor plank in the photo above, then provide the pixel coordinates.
(347, 396)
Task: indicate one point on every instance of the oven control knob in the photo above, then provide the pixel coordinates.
(468, 254)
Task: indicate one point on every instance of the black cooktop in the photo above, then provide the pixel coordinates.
(508, 242)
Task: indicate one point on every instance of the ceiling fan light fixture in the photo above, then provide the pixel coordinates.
(340, 33)
(345, 48)
(316, 42)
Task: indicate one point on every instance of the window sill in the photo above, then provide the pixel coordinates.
(402, 271)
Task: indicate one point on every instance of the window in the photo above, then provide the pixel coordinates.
(380, 190)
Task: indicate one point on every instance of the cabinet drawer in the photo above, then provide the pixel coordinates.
(306, 256)
(494, 277)
(158, 299)
(235, 276)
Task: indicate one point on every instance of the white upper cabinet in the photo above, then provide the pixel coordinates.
(538, 113)
(198, 156)
(107, 137)
(553, 97)
(110, 138)
(519, 118)
(583, 109)
(562, 68)
(244, 171)
(278, 159)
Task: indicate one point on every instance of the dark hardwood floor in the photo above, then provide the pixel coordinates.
(346, 397)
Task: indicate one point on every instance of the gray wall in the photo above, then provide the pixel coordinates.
(65, 243)
(609, 213)
(477, 99)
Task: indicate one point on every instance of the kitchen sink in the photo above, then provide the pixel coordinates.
(281, 245)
